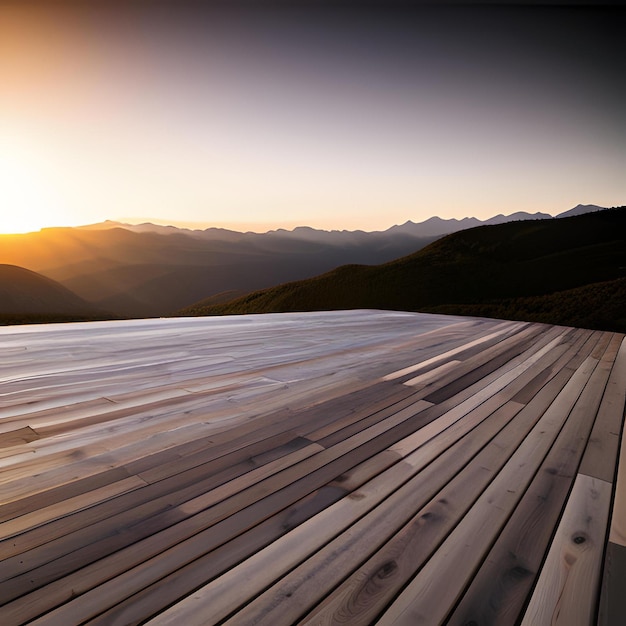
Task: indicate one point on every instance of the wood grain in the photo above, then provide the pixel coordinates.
(319, 468)
(567, 589)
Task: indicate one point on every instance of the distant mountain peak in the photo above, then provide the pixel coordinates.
(581, 209)
(432, 226)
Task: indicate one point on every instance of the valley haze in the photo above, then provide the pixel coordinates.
(147, 270)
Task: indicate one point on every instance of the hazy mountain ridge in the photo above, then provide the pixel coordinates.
(148, 270)
(433, 226)
(467, 270)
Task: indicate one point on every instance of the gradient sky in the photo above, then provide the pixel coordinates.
(331, 117)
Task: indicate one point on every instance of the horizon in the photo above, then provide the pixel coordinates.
(338, 118)
(261, 229)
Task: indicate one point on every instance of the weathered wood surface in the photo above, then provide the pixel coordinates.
(350, 467)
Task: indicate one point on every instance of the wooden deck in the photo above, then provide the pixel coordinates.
(348, 468)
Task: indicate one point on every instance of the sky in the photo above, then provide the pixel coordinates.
(332, 115)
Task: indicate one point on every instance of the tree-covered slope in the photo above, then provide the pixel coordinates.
(482, 265)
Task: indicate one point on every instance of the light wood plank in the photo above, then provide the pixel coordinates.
(503, 329)
(567, 589)
(190, 534)
(601, 454)
(364, 594)
(428, 597)
(302, 586)
(500, 589)
(503, 356)
(46, 514)
(432, 374)
(329, 561)
(17, 437)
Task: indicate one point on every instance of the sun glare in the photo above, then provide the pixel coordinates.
(17, 226)
(25, 203)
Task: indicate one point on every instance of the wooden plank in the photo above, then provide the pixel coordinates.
(201, 456)
(69, 490)
(305, 474)
(420, 479)
(497, 381)
(501, 330)
(580, 343)
(77, 411)
(189, 552)
(191, 346)
(31, 502)
(567, 589)
(432, 374)
(32, 479)
(428, 597)
(618, 519)
(463, 382)
(300, 423)
(600, 459)
(540, 400)
(511, 345)
(499, 590)
(366, 592)
(176, 526)
(51, 452)
(481, 399)
(27, 607)
(406, 548)
(612, 609)
(16, 437)
(342, 429)
(103, 519)
(502, 355)
(47, 514)
(159, 594)
(326, 566)
(191, 482)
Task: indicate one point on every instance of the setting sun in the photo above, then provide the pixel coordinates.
(27, 202)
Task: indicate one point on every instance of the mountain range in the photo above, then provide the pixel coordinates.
(431, 227)
(570, 271)
(149, 270)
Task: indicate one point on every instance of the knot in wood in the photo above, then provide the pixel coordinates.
(386, 569)
(519, 572)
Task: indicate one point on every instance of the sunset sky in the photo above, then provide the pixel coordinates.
(362, 116)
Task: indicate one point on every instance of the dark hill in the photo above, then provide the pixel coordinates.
(472, 267)
(599, 305)
(27, 297)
